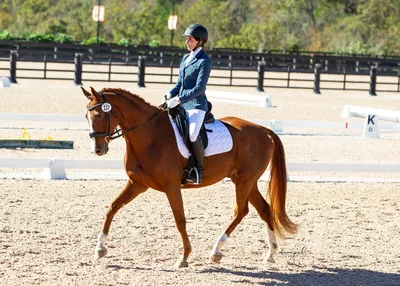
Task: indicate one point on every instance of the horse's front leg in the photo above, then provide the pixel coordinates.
(130, 191)
(174, 196)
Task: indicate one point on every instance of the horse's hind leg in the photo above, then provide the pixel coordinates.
(263, 209)
(241, 210)
(130, 191)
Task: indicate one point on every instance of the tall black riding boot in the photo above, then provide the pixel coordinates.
(198, 154)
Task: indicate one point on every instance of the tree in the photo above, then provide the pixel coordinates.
(141, 23)
(354, 26)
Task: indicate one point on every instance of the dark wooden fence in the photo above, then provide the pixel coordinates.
(231, 61)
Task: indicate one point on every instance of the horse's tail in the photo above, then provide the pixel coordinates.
(277, 189)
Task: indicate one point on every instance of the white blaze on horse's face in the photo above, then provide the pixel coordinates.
(92, 140)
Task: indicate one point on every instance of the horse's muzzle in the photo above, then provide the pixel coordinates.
(101, 150)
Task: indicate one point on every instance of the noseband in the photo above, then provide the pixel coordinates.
(106, 108)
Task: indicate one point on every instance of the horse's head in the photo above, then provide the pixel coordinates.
(102, 121)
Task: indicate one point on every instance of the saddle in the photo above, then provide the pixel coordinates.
(178, 115)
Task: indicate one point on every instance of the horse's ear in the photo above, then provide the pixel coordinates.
(87, 94)
(95, 93)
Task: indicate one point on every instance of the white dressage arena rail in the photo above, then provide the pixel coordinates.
(278, 126)
(239, 98)
(371, 116)
(360, 111)
(42, 117)
(370, 127)
(4, 82)
(55, 168)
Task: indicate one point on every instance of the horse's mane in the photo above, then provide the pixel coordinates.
(126, 93)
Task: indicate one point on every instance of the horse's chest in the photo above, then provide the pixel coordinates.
(138, 174)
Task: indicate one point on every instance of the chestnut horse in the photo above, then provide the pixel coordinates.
(152, 160)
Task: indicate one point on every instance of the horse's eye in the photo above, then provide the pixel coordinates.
(98, 115)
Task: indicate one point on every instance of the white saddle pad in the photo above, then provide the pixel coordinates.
(219, 140)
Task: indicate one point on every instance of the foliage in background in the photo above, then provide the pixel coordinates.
(93, 41)
(124, 42)
(6, 36)
(63, 38)
(154, 44)
(40, 38)
(344, 26)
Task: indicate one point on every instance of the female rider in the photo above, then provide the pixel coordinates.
(189, 91)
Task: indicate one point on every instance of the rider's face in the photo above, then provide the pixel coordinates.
(190, 43)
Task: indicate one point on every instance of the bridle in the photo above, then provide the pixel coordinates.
(108, 135)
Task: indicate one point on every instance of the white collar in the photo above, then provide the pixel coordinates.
(195, 52)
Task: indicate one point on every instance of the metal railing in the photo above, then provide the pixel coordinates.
(260, 67)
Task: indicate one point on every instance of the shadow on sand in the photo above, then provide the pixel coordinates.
(317, 276)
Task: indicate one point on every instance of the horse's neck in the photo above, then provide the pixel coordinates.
(152, 132)
(134, 111)
(136, 118)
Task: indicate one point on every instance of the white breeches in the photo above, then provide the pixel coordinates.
(196, 118)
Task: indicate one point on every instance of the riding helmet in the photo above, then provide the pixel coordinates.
(197, 31)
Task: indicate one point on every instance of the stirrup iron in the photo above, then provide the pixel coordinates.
(190, 179)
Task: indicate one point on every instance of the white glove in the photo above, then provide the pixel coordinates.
(168, 96)
(171, 103)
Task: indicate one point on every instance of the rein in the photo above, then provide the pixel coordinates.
(106, 108)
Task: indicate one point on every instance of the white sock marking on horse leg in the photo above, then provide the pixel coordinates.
(101, 240)
(273, 245)
(218, 245)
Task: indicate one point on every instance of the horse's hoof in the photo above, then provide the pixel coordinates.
(268, 260)
(216, 257)
(99, 253)
(181, 264)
